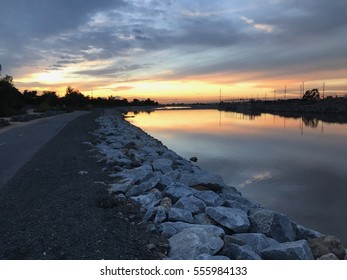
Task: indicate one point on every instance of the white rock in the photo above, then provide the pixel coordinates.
(171, 228)
(232, 218)
(162, 164)
(176, 214)
(191, 243)
(191, 203)
(298, 250)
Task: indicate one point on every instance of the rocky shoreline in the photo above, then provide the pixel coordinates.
(202, 217)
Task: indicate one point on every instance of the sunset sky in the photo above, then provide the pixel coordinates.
(175, 51)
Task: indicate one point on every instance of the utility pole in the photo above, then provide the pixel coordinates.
(274, 94)
(220, 95)
(300, 91)
(323, 89)
(285, 92)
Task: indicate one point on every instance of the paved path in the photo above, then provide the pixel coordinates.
(57, 205)
(19, 142)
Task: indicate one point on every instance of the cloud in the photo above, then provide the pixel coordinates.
(156, 40)
(122, 88)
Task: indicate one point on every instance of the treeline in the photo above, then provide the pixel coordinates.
(12, 101)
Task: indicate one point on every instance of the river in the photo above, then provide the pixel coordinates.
(292, 165)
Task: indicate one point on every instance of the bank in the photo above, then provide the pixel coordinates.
(202, 217)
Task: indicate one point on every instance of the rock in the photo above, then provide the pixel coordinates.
(209, 197)
(164, 182)
(150, 214)
(177, 190)
(329, 256)
(204, 219)
(272, 224)
(4, 122)
(237, 201)
(305, 233)
(142, 187)
(151, 246)
(232, 218)
(327, 244)
(237, 252)
(191, 203)
(171, 228)
(176, 214)
(193, 242)
(121, 187)
(194, 159)
(162, 164)
(297, 250)
(209, 257)
(161, 215)
(257, 241)
(166, 203)
(200, 177)
(149, 200)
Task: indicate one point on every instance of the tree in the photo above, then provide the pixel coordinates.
(11, 100)
(50, 98)
(311, 94)
(30, 96)
(74, 98)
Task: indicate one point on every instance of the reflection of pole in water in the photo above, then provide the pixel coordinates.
(220, 118)
(302, 126)
(322, 127)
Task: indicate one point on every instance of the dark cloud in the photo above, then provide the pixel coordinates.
(213, 37)
(112, 71)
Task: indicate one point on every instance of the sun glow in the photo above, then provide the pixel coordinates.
(49, 77)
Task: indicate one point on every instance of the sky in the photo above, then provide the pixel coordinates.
(174, 51)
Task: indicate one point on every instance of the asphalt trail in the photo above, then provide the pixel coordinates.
(51, 210)
(19, 142)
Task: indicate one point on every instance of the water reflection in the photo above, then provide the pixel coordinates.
(297, 166)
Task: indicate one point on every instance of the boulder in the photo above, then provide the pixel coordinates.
(176, 214)
(209, 197)
(149, 200)
(272, 224)
(143, 187)
(191, 203)
(302, 232)
(162, 164)
(297, 250)
(193, 159)
(161, 215)
(193, 242)
(237, 201)
(204, 219)
(237, 252)
(171, 228)
(329, 256)
(327, 244)
(232, 218)
(177, 190)
(209, 257)
(201, 177)
(257, 241)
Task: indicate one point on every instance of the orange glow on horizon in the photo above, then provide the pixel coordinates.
(203, 88)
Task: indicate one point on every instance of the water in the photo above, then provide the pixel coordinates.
(289, 165)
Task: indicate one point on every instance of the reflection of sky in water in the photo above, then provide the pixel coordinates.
(280, 163)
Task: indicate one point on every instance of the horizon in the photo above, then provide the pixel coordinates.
(174, 51)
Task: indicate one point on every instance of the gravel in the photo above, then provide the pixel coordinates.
(57, 206)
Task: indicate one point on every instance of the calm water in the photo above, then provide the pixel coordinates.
(292, 166)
